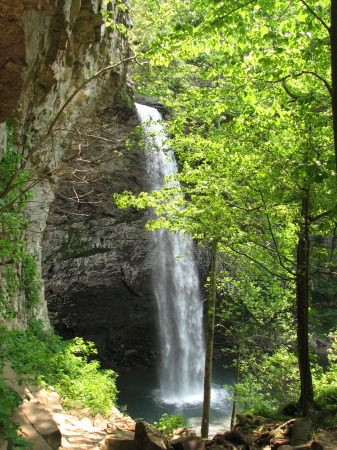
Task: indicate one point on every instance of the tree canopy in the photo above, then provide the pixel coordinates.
(251, 87)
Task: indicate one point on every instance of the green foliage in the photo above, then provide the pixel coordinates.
(112, 18)
(324, 302)
(267, 382)
(167, 424)
(326, 383)
(9, 400)
(256, 315)
(18, 268)
(250, 87)
(29, 280)
(45, 359)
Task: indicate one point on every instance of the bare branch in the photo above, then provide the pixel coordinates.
(93, 77)
(66, 213)
(77, 198)
(38, 144)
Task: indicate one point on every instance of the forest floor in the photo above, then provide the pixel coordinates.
(46, 425)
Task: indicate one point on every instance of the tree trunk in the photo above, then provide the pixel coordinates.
(209, 344)
(333, 44)
(235, 393)
(302, 302)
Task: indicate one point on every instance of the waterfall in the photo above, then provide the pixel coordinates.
(175, 284)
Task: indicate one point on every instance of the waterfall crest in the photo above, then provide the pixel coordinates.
(175, 284)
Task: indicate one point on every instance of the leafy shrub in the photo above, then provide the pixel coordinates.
(167, 424)
(325, 383)
(18, 269)
(44, 359)
(267, 382)
(9, 400)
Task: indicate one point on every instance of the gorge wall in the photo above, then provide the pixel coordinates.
(95, 258)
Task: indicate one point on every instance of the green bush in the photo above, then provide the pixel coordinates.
(17, 266)
(9, 400)
(268, 381)
(167, 424)
(45, 359)
(325, 383)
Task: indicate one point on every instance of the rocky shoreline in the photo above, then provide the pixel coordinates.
(46, 425)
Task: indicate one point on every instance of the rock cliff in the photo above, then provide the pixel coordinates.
(94, 256)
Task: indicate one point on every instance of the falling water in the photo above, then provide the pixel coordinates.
(175, 284)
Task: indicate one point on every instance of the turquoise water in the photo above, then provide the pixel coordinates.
(139, 392)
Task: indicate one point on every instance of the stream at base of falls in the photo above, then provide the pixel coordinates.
(139, 391)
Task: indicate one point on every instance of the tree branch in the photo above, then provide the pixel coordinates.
(316, 15)
(224, 16)
(316, 75)
(285, 87)
(304, 72)
(32, 151)
(273, 237)
(259, 263)
(324, 214)
(97, 74)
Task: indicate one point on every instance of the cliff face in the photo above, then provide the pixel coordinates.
(96, 258)
(96, 267)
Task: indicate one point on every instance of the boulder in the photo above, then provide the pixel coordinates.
(278, 438)
(248, 422)
(306, 446)
(276, 443)
(324, 441)
(119, 440)
(180, 432)
(29, 433)
(215, 446)
(188, 443)
(232, 437)
(148, 438)
(301, 432)
(43, 422)
(99, 422)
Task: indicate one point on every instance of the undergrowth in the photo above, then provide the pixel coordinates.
(18, 268)
(167, 424)
(9, 400)
(43, 359)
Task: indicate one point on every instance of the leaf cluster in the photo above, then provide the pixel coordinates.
(9, 430)
(18, 268)
(167, 424)
(250, 91)
(44, 359)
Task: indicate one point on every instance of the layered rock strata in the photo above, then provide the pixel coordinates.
(48, 49)
(97, 258)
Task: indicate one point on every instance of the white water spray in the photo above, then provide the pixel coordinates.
(175, 284)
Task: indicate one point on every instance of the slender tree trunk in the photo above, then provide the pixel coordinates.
(209, 344)
(302, 301)
(235, 393)
(333, 44)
